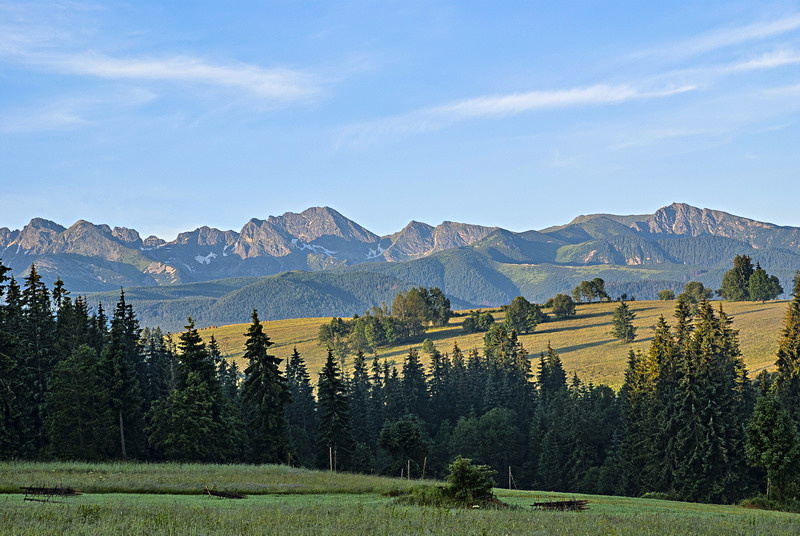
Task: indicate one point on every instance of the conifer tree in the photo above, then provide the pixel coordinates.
(414, 388)
(709, 439)
(441, 400)
(622, 323)
(358, 395)
(301, 411)
(37, 334)
(160, 366)
(334, 429)
(736, 281)
(264, 397)
(787, 381)
(377, 399)
(196, 406)
(121, 361)
(773, 444)
(182, 426)
(14, 432)
(80, 422)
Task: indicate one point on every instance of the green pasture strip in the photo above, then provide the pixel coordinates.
(190, 479)
(328, 514)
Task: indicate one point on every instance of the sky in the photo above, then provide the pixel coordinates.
(165, 116)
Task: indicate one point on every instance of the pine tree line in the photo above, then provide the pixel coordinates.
(687, 423)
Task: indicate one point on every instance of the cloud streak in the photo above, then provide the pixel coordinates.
(723, 38)
(279, 84)
(497, 106)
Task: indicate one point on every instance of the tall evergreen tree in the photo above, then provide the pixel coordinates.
(622, 326)
(787, 381)
(334, 430)
(80, 422)
(14, 431)
(736, 281)
(264, 396)
(121, 361)
(301, 410)
(377, 398)
(196, 408)
(358, 395)
(773, 444)
(710, 434)
(414, 388)
(37, 335)
(763, 287)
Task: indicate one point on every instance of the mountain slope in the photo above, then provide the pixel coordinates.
(474, 265)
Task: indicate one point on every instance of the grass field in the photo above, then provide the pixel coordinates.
(584, 342)
(156, 503)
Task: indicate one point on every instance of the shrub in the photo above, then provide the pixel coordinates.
(563, 306)
(467, 485)
(666, 295)
(762, 503)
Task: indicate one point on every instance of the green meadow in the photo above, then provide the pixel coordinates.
(167, 499)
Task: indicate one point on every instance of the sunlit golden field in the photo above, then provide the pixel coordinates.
(584, 342)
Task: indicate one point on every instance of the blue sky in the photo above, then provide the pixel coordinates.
(164, 116)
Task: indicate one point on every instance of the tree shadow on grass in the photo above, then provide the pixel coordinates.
(567, 328)
(576, 347)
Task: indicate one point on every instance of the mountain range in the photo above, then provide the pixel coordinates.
(338, 267)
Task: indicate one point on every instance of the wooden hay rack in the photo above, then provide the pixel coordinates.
(211, 492)
(43, 494)
(570, 505)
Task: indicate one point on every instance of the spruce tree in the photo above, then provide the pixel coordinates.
(622, 323)
(441, 399)
(14, 430)
(414, 388)
(37, 334)
(264, 397)
(773, 444)
(182, 426)
(736, 281)
(377, 399)
(638, 399)
(334, 429)
(709, 439)
(121, 362)
(787, 381)
(301, 411)
(358, 396)
(80, 422)
(197, 407)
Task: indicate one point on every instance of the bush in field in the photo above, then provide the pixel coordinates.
(467, 485)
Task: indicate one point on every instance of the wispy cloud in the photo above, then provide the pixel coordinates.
(495, 106)
(723, 38)
(770, 60)
(44, 42)
(516, 103)
(278, 83)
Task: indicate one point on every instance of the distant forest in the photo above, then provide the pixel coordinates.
(688, 423)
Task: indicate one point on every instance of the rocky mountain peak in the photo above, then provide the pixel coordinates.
(129, 237)
(316, 222)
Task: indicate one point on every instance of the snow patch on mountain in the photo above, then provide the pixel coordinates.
(299, 244)
(375, 253)
(207, 259)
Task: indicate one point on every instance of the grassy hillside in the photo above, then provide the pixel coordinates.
(584, 342)
(166, 499)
